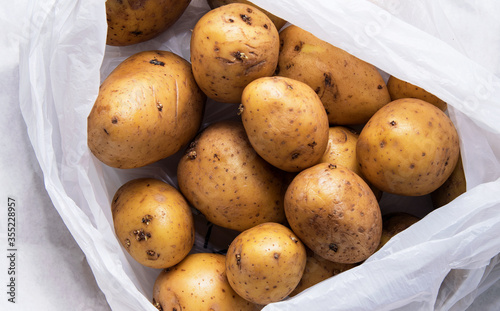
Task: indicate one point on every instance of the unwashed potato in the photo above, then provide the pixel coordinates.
(153, 222)
(198, 282)
(278, 22)
(409, 147)
(317, 270)
(334, 212)
(351, 90)
(265, 263)
(341, 150)
(147, 109)
(395, 223)
(402, 89)
(453, 187)
(231, 46)
(135, 21)
(228, 182)
(285, 121)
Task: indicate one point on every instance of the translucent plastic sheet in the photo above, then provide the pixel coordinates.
(448, 47)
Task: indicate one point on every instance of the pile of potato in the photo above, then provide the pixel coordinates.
(320, 136)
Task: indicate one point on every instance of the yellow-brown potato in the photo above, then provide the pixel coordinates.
(265, 263)
(198, 283)
(334, 212)
(454, 186)
(401, 89)
(228, 182)
(285, 121)
(409, 147)
(341, 150)
(317, 270)
(135, 21)
(278, 22)
(153, 222)
(351, 90)
(231, 46)
(147, 109)
(395, 223)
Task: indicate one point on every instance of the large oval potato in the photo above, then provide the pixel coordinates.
(134, 21)
(402, 89)
(231, 46)
(285, 121)
(153, 222)
(278, 22)
(265, 263)
(147, 109)
(228, 182)
(198, 282)
(351, 90)
(409, 147)
(334, 212)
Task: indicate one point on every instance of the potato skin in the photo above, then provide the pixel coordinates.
(153, 222)
(395, 223)
(351, 90)
(231, 46)
(334, 212)
(228, 182)
(453, 187)
(135, 21)
(401, 89)
(198, 282)
(278, 22)
(409, 147)
(285, 121)
(147, 109)
(317, 270)
(265, 263)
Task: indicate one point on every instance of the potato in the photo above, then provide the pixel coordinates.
(198, 282)
(409, 147)
(278, 22)
(228, 182)
(153, 222)
(317, 270)
(147, 109)
(134, 21)
(231, 46)
(395, 223)
(334, 212)
(453, 187)
(351, 90)
(285, 122)
(265, 263)
(401, 89)
(341, 150)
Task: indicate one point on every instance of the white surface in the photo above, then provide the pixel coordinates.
(52, 270)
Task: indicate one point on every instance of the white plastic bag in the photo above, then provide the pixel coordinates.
(450, 48)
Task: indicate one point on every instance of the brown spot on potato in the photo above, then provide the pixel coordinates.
(393, 123)
(247, 19)
(106, 131)
(140, 235)
(114, 120)
(136, 32)
(380, 87)
(147, 219)
(137, 4)
(333, 247)
(156, 62)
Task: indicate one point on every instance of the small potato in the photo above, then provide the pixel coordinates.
(231, 46)
(285, 121)
(153, 222)
(198, 282)
(409, 147)
(350, 89)
(453, 187)
(317, 270)
(395, 223)
(265, 263)
(228, 182)
(147, 109)
(278, 22)
(334, 212)
(134, 21)
(401, 89)
(341, 150)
